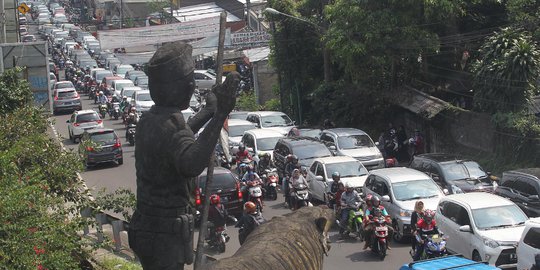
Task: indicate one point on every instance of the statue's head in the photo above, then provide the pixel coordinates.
(170, 75)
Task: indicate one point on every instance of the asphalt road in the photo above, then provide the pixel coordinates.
(344, 254)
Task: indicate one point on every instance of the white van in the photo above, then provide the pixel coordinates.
(528, 248)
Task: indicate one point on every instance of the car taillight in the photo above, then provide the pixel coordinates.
(88, 148)
(117, 144)
(55, 98)
(197, 196)
(76, 124)
(238, 190)
(99, 121)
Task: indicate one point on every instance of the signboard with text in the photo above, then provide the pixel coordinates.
(250, 39)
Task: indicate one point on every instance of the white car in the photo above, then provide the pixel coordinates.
(399, 188)
(319, 175)
(141, 101)
(236, 131)
(260, 141)
(204, 79)
(128, 92)
(528, 249)
(81, 121)
(277, 121)
(482, 227)
(118, 85)
(121, 70)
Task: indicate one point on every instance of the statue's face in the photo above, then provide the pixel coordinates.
(184, 89)
(174, 94)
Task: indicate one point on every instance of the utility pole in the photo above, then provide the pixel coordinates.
(210, 171)
(3, 18)
(248, 8)
(121, 13)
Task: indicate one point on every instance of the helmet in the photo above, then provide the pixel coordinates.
(289, 157)
(215, 199)
(241, 148)
(375, 201)
(335, 175)
(101, 92)
(250, 207)
(264, 155)
(348, 186)
(429, 215)
(294, 159)
(369, 197)
(124, 97)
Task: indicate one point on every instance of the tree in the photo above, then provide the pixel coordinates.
(14, 92)
(506, 73)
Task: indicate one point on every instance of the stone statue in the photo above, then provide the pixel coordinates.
(298, 240)
(168, 158)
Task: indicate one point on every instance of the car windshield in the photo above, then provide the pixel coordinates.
(267, 144)
(123, 70)
(128, 92)
(87, 117)
(346, 169)
(120, 86)
(142, 80)
(62, 85)
(66, 94)
(314, 133)
(223, 181)
(235, 131)
(101, 75)
(144, 97)
(414, 190)
(498, 217)
(106, 137)
(238, 115)
(354, 141)
(311, 151)
(281, 120)
(462, 170)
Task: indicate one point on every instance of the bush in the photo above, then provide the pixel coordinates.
(272, 105)
(247, 102)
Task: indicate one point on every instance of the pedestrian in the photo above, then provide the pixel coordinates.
(419, 143)
(416, 214)
(403, 154)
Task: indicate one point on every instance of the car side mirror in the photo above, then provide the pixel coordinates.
(534, 198)
(385, 198)
(445, 191)
(332, 148)
(319, 178)
(465, 228)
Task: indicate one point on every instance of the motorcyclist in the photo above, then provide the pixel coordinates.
(350, 200)
(296, 179)
(250, 175)
(123, 104)
(102, 99)
(242, 154)
(249, 221)
(425, 226)
(368, 227)
(217, 214)
(334, 188)
(264, 163)
(291, 164)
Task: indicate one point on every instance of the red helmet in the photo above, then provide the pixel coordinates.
(429, 214)
(215, 199)
(250, 207)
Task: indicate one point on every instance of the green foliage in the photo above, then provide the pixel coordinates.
(526, 14)
(272, 105)
(113, 263)
(120, 201)
(247, 102)
(518, 137)
(505, 75)
(14, 91)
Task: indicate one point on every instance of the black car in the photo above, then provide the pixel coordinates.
(100, 146)
(522, 186)
(226, 185)
(453, 173)
(305, 148)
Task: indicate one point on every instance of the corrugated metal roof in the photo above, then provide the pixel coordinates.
(257, 54)
(201, 11)
(419, 103)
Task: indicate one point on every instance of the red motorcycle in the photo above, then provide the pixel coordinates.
(271, 183)
(255, 193)
(379, 243)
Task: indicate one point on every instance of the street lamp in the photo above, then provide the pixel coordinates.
(275, 12)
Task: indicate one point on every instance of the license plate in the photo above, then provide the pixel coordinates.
(513, 256)
(381, 229)
(224, 199)
(359, 213)
(302, 192)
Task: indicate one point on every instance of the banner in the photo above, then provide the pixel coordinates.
(250, 39)
(132, 37)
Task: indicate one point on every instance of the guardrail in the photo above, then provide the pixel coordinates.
(117, 224)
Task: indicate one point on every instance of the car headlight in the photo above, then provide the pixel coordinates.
(491, 243)
(405, 213)
(456, 189)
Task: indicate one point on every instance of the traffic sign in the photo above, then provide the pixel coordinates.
(23, 8)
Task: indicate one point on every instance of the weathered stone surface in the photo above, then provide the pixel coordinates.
(290, 242)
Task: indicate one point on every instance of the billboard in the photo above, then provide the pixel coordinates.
(33, 56)
(149, 35)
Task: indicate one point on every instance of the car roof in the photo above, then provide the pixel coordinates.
(239, 122)
(336, 159)
(217, 170)
(298, 141)
(478, 200)
(63, 82)
(143, 92)
(439, 157)
(527, 171)
(99, 130)
(122, 81)
(133, 88)
(124, 65)
(266, 113)
(265, 133)
(85, 112)
(400, 174)
(346, 131)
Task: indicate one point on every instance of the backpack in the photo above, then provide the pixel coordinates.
(257, 220)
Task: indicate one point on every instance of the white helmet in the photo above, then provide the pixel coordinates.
(101, 92)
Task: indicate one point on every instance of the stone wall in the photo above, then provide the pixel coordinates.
(265, 77)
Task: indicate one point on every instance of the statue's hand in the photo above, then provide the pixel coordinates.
(226, 93)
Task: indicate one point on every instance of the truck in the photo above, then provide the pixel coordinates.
(454, 262)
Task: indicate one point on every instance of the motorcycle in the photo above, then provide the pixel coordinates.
(300, 196)
(354, 220)
(103, 110)
(218, 237)
(131, 134)
(115, 110)
(270, 178)
(380, 234)
(434, 246)
(255, 194)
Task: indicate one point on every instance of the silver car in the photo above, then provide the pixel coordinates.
(66, 99)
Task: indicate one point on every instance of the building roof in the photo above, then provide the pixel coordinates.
(419, 103)
(201, 11)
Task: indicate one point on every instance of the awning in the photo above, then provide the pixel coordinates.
(257, 54)
(419, 103)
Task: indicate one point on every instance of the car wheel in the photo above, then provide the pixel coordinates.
(87, 165)
(120, 161)
(70, 135)
(476, 256)
(398, 235)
